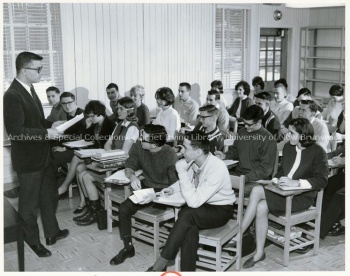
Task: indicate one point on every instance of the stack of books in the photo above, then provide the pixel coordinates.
(276, 232)
(110, 159)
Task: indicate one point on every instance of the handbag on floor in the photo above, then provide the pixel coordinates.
(102, 220)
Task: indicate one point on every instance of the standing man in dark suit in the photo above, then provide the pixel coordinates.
(31, 154)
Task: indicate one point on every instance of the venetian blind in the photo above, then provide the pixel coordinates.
(34, 27)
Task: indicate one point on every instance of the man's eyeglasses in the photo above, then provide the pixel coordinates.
(36, 69)
(200, 117)
(67, 103)
(249, 125)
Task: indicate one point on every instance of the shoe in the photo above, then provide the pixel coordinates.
(337, 231)
(13, 193)
(122, 256)
(92, 218)
(79, 210)
(304, 250)
(150, 269)
(40, 250)
(61, 235)
(250, 262)
(83, 216)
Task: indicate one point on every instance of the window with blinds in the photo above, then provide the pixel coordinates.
(231, 45)
(34, 27)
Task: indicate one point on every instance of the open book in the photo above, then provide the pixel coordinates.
(78, 144)
(69, 123)
(176, 198)
(140, 195)
(119, 177)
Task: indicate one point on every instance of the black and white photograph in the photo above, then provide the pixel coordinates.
(173, 137)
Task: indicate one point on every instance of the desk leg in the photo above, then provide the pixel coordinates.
(20, 248)
(109, 208)
(177, 258)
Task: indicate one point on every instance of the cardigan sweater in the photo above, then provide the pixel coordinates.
(271, 123)
(245, 104)
(214, 186)
(215, 137)
(313, 166)
(142, 113)
(106, 130)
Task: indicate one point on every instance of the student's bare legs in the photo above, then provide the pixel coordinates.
(257, 208)
(90, 187)
(70, 175)
(79, 172)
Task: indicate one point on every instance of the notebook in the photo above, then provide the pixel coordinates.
(78, 144)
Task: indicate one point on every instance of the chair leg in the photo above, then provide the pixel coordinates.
(109, 211)
(218, 257)
(317, 234)
(70, 190)
(156, 240)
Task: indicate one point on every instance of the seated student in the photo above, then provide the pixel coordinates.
(334, 106)
(62, 155)
(206, 187)
(137, 93)
(167, 116)
(254, 147)
(113, 95)
(185, 105)
(157, 161)
(281, 106)
(98, 129)
(208, 116)
(57, 113)
(123, 137)
(270, 121)
(241, 103)
(213, 98)
(308, 109)
(304, 164)
(258, 84)
(218, 86)
(333, 203)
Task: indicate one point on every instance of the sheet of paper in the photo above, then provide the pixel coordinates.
(288, 188)
(230, 162)
(120, 177)
(69, 123)
(265, 182)
(140, 195)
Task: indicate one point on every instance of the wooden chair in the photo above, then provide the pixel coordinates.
(220, 260)
(146, 223)
(310, 217)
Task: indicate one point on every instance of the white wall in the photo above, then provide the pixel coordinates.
(153, 45)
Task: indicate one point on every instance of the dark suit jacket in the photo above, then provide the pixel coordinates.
(26, 125)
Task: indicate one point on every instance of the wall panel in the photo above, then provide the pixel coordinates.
(152, 45)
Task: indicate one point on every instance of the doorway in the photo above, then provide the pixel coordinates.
(273, 55)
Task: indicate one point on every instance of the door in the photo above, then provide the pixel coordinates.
(273, 55)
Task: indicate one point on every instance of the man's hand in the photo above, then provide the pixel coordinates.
(147, 199)
(339, 161)
(57, 123)
(53, 134)
(167, 192)
(220, 154)
(183, 166)
(135, 183)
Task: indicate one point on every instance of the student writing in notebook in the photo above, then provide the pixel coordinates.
(304, 164)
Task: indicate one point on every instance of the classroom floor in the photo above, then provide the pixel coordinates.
(89, 249)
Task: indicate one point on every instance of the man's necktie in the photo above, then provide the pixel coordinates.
(32, 91)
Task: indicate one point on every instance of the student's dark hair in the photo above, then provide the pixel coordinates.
(199, 140)
(218, 84)
(112, 85)
(253, 112)
(336, 90)
(157, 134)
(96, 108)
(258, 81)
(280, 82)
(165, 94)
(312, 105)
(216, 93)
(304, 91)
(245, 85)
(66, 95)
(24, 58)
(130, 105)
(53, 88)
(264, 96)
(211, 109)
(186, 84)
(305, 130)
